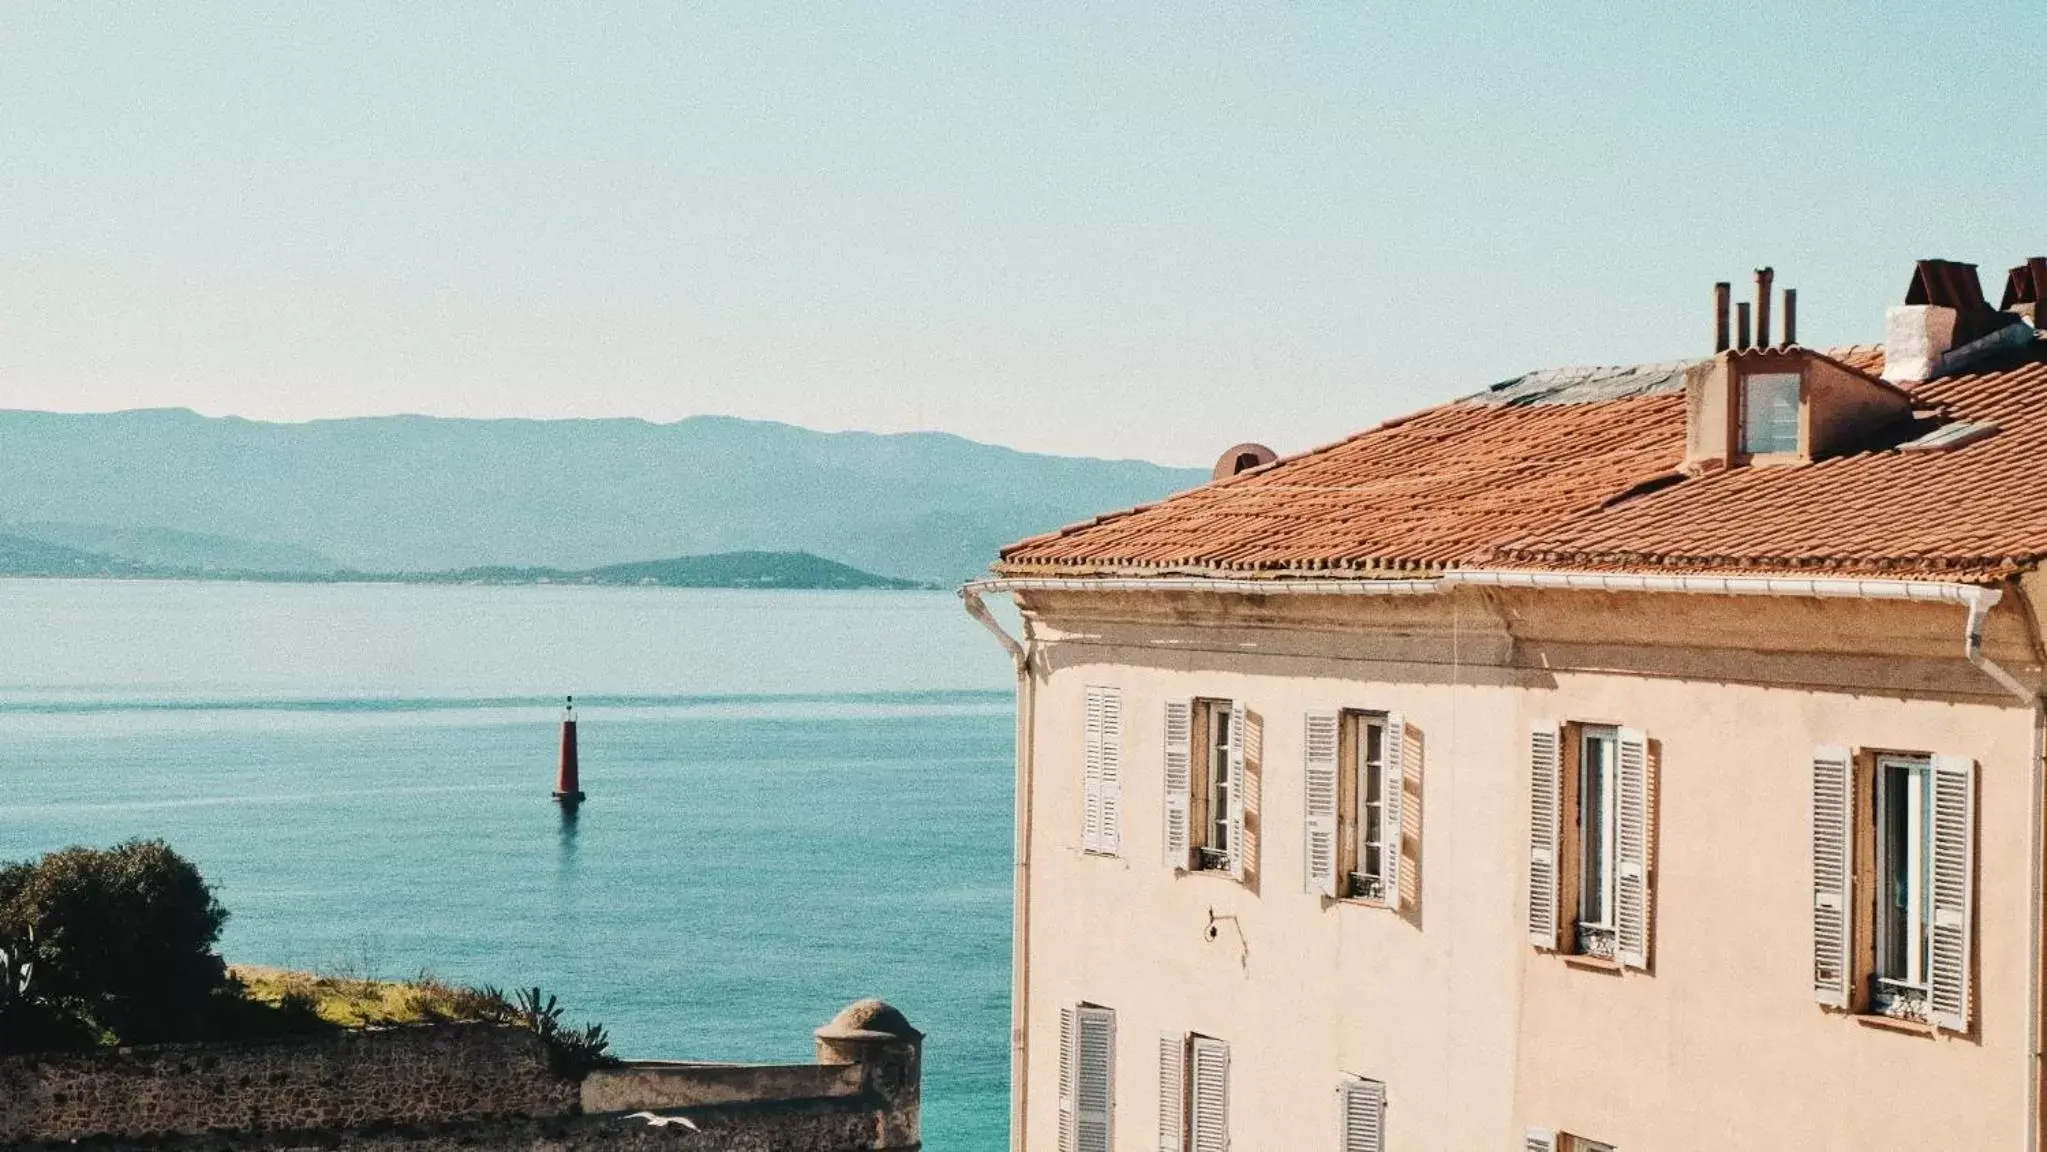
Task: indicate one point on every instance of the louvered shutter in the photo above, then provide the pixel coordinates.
(1544, 769)
(1172, 1092)
(1238, 854)
(1318, 806)
(1110, 838)
(1179, 780)
(1091, 775)
(1363, 1115)
(1631, 849)
(1210, 1092)
(1069, 1068)
(1393, 801)
(1954, 849)
(1094, 1080)
(1833, 855)
(1541, 1140)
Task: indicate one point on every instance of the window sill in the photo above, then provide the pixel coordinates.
(1893, 1024)
(1591, 963)
(1363, 902)
(1101, 853)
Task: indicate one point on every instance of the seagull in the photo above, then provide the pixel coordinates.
(660, 1121)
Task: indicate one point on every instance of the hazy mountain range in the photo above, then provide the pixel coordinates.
(169, 488)
(26, 556)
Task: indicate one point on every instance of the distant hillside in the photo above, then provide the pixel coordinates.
(409, 493)
(20, 556)
(169, 548)
(725, 570)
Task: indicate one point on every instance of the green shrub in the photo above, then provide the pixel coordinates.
(119, 942)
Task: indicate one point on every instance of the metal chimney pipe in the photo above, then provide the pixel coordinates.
(1790, 316)
(1722, 293)
(1741, 325)
(1763, 278)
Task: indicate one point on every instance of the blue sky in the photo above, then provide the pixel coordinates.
(1128, 230)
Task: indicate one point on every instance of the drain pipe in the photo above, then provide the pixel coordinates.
(1020, 890)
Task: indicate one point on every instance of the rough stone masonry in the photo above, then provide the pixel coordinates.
(435, 1088)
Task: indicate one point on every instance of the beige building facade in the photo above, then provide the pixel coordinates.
(1531, 849)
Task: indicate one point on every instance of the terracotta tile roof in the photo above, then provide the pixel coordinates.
(1576, 470)
(1415, 493)
(1975, 513)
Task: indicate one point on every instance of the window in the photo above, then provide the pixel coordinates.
(1769, 413)
(1087, 1074)
(1102, 772)
(1893, 862)
(1208, 785)
(1194, 1093)
(1544, 1140)
(1596, 840)
(1589, 842)
(1219, 731)
(1356, 783)
(1904, 871)
(1377, 824)
(1361, 1115)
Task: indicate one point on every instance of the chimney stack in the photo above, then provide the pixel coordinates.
(1763, 278)
(1944, 312)
(2025, 290)
(1756, 312)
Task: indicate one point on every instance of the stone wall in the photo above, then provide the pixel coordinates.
(323, 1081)
(439, 1089)
(754, 1128)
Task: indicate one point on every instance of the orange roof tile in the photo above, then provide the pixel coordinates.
(1576, 470)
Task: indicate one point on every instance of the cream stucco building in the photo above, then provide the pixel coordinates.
(1641, 759)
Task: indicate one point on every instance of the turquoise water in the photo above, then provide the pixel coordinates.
(796, 799)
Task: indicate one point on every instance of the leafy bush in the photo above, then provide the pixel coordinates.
(116, 947)
(117, 943)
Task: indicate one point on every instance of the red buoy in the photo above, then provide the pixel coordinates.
(567, 783)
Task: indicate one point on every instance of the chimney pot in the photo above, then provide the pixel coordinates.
(1723, 292)
(1763, 278)
(1790, 316)
(1741, 325)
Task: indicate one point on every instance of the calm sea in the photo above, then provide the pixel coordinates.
(796, 799)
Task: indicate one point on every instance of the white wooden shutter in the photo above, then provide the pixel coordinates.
(1094, 1081)
(1363, 1115)
(1210, 1092)
(1833, 856)
(1179, 780)
(1631, 849)
(1545, 766)
(1069, 1066)
(1236, 779)
(1091, 774)
(1954, 850)
(1110, 839)
(1541, 1140)
(1318, 805)
(1393, 799)
(1172, 1092)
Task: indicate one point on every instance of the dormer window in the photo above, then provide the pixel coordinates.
(1769, 413)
